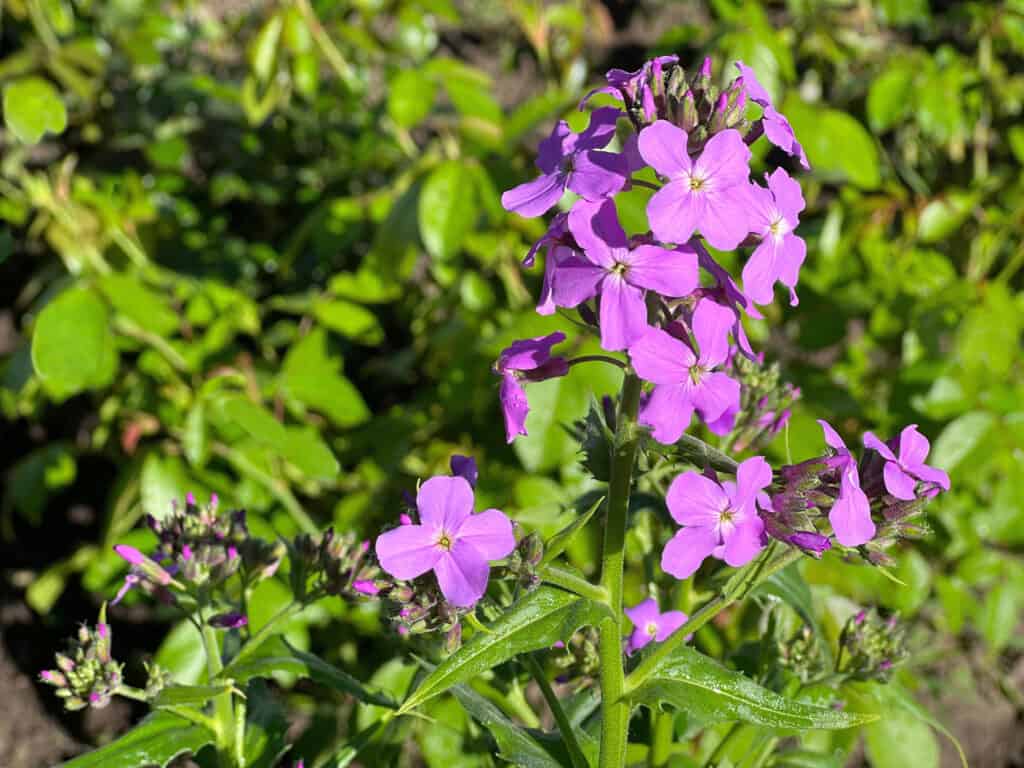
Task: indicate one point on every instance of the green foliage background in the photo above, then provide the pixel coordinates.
(257, 249)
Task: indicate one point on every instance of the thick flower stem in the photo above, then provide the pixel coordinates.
(615, 711)
(664, 732)
(560, 577)
(223, 712)
(561, 719)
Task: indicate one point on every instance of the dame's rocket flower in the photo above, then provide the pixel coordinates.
(530, 360)
(850, 515)
(707, 193)
(560, 246)
(776, 127)
(651, 625)
(774, 214)
(450, 540)
(685, 381)
(573, 160)
(719, 519)
(619, 272)
(902, 471)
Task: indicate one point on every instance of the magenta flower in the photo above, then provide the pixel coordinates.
(851, 513)
(774, 214)
(727, 293)
(776, 127)
(572, 160)
(709, 193)
(228, 620)
(650, 625)
(719, 519)
(685, 381)
(530, 360)
(638, 91)
(464, 467)
(560, 246)
(450, 540)
(619, 272)
(902, 472)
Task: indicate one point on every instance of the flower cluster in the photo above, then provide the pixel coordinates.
(871, 645)
(86, 675)
(330, 563)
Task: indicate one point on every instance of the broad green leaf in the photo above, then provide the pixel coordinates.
(538, 620)
(195, 439)
(311, 375)
(277, 655)
(890, 97)
(556, 545)
(838, 147)
(253, 418)
(364, 286)
(447, 209)
(181, 653)
(411, 97)
(960, 437)
(73, 348)
(898, 739)
(304, 448)
(164, 480)
(36, 477)
(805, 758)
(157, 740)
(1000, 614)
(178, 695)
(944, 216)
(32, 106)
(131, 297)
(350, 320)
(902, 699)
(704, 689)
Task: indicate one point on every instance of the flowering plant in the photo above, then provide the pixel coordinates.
(669, 316)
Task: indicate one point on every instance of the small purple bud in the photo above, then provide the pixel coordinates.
(465, 467)
(103, 631)
(228, 620)
(404, 519)
(365, 587)
(885, 666)
(705, 68)
(813, 543)
(214, 500)
(94, 698)
(190, 499)
(232, 553)
(860, 617)
(131, 554)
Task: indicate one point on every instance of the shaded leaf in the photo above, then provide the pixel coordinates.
(157, 740)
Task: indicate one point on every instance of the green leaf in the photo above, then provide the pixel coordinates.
(72, 344)
(556, 544)
(181, 653)
(447, 209)
(195, 439)
(311, 375)
(179, 695)
(132, 298)
(157, 740)
(304, 448)
(350, 320)
(890, 97)
(898, 739)
(263, 50)
(960, 437)
(411, 97)
(709, 692)
(36, 477)
(254, 419)
(837, 145)
(804, 758)
(278, 655)
(538, 620)
(32, 107)
(789, 585)
(999, 615)
(944, 216)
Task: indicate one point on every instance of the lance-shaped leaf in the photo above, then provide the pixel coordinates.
(179, 695)
(710, 692)
(538, 620)
(157, 740)
(277, 655)
(556, 544)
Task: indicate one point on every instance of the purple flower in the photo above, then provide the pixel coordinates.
(902, 472)
(572, 160)
(776, 127)
(464, 466)
(728, 294)
(639, 90)
(810, 542)
(720, 519)
(450, 540)
(619, 272)
(228, 620)
(528, 359)
(650, 625)
(708, 193)
(851, 513)
(684, 381)
(560, 246)
(366, 587)
(773, 215)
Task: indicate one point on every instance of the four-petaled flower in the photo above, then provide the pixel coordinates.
(619, 272)
(773, 215)
(684, 381)
(709, 192)
(776, 127)
(449, 539)
(651, 625)
(572, 160)
(850, 515)
(720, 519)
(528, 359)
(902, 471)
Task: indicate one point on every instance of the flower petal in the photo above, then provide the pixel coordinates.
(514, 406)
(832, 438)
(669, 622)
(724, 221)
(914, 447)
(462, 575)
(444, 502)
(623, 313)
(711, 325)
(528, 354)
(716, 394)
(725, 159)
(670, 273)
(694, 499)
(489, 532)
(597, 175)
(662, 145)
(661, 358)
(643, 613)
(790, 258)
(753, 87)
(596, 228)
(761, 271)
(870, 441)
(743, 542)
(674, 212)
(789, 197)
(899, 483)
(686, 550)
(667, 411)
(408, 551)
(537, 197)
(601, 128)
(851, 515)
(752, 476)
(933, 475)
(576, 281)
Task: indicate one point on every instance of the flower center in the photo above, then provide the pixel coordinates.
(778, 227)
(696, 373)
(652, 629)
(696, 183)
(619, 268)
(445, 542)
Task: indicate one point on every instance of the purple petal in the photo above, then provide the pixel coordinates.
(725, 159)
(667, 411)
(694, 499)
(660, 358)
(752, 476)
(674, 212)
(444, 502)
(465, 467)
(600, 130)
(131, 554)
(789, 198)
(489, 533)
(514, 406)
(643, 613)
(754, 89)
(462, 575)
(724, 220)
(743, 542)
(528, 354)
(898, 482)
(577, 280)
(711, 325)
(724, 424)
(716, 394)
(780, 133)
(597, 174)
(670, 621)
(870, 441)
(546, 301)
(596, 228)
(663, 147)
(791, 258)
(555, 147)
(914, 447)
(639, 638)
(761, 271)
(686, 550)
(407, 551)
(623, 314)
(832, 438)
(851, 515)
(670, 273)
(228, 620)
(537, 197)
(932, 475)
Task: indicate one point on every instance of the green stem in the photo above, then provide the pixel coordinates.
(564, 726)
(327, 46)
(596, 359)
(719, 749)
(615, 710)
(695, 450)
(661, 740)
(254, 642)
(567, 580)
(223, 713)
(193, 717)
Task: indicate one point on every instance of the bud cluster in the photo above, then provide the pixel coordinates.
(330, 563)
(697, 106)
(580, 661)
(870, 646)
(86, 675)
(765, 403)
(418, 607)
(523, 562)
